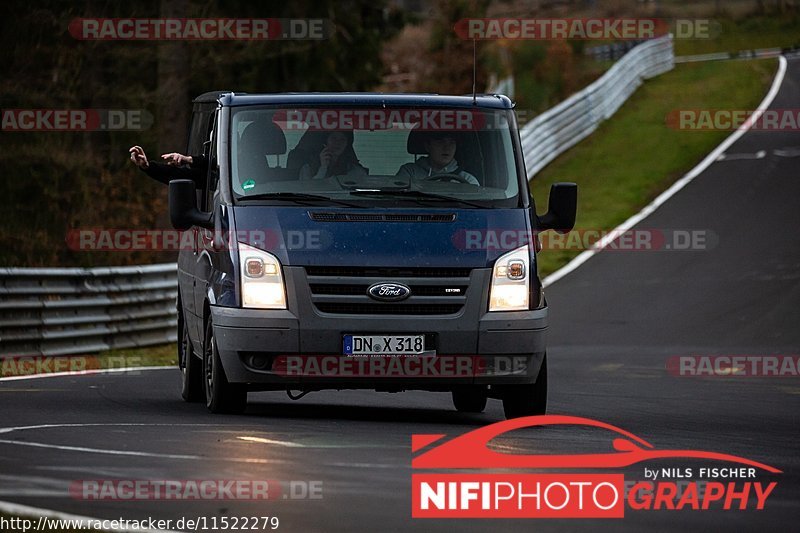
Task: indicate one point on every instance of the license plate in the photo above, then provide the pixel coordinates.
(384, 344)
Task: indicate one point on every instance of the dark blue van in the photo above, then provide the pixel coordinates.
(368, 241)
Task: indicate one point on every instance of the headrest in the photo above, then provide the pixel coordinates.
(415, 144)
(262, 137)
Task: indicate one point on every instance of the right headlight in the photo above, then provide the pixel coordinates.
(510, 290)
(262, 282)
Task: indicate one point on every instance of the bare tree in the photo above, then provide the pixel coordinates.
(173, 80)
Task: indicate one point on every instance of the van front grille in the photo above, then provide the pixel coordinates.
(344, 290)
(419, 290)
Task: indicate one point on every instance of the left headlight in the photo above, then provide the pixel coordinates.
(262, 281)
(511, 276)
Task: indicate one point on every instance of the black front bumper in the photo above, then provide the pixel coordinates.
(302, 347)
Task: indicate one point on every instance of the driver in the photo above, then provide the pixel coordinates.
(441, 147)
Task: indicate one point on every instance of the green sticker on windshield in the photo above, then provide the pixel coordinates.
(249, 184)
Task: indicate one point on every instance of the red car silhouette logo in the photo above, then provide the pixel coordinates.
(470, 450)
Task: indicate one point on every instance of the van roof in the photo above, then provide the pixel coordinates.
(492, 101)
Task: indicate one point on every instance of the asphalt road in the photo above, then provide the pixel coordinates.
(615, 321)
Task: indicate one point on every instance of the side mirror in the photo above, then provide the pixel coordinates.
(561, 208)
(183, 212)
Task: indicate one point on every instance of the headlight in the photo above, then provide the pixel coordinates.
(262, 282)
(511, 282)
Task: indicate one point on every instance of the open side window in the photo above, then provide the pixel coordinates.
(209, 149)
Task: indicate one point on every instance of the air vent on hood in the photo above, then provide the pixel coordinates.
(385, 272)
(382, 217)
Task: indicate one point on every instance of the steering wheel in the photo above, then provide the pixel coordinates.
(450, 177)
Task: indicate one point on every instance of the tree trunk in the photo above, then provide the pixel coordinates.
(173, 85)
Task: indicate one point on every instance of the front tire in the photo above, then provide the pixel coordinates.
(529, 399)
(221, 396)
(190, 365)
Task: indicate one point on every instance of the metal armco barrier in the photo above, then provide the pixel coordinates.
(64, 311)
(610, 52)
(553, 132)
(741, 54)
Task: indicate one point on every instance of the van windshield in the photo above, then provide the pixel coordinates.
(374, 156)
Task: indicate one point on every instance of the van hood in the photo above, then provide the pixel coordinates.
(324, 236)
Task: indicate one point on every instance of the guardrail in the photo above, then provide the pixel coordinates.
(64, 311)
(610, 52)
(741, 54)
(556, 130)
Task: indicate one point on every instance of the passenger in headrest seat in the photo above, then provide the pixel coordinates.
(441, 149)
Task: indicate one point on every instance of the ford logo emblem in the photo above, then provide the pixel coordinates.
(389, 292)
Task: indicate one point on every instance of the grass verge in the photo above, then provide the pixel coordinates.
(164, 355)
(634, 156)
(747, 33)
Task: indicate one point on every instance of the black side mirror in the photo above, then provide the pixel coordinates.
(183, 212)
(561, 208)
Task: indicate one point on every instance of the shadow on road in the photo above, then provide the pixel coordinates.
(366, 413)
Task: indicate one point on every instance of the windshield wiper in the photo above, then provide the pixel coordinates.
(297, 197)
(416, 194)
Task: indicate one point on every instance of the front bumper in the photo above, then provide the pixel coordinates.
(278, 350)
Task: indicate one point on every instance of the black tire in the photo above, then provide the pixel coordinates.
(190, 365)
(221, 396)
(529, 399)
(470, 399)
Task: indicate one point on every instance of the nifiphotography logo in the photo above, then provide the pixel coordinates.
(574, 489)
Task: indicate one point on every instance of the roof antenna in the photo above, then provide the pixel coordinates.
(474, 70)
